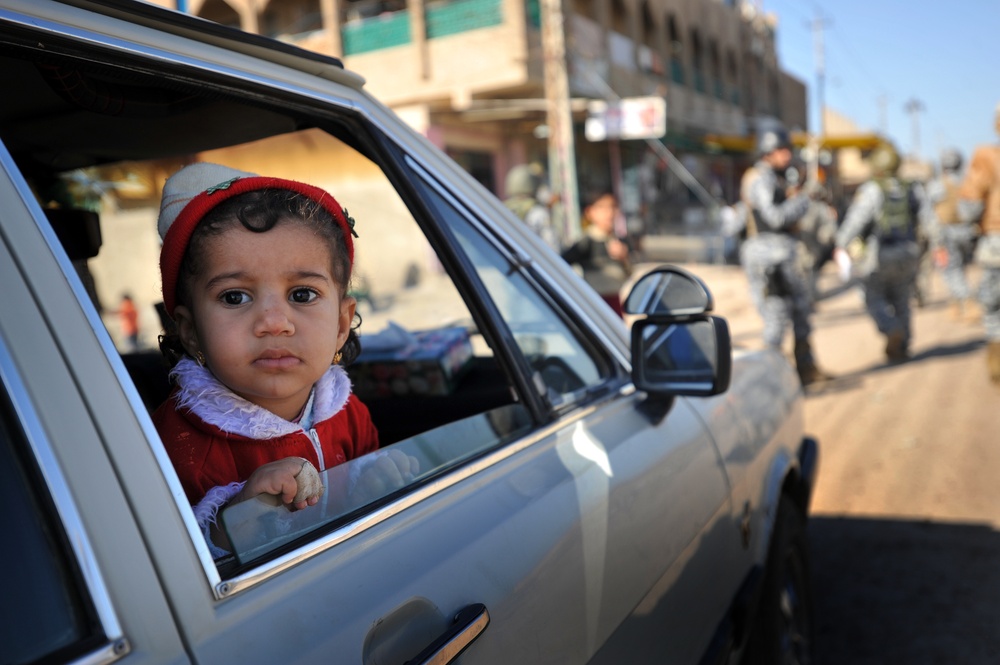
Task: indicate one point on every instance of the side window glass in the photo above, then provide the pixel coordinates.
(45, 614)
(559, 357)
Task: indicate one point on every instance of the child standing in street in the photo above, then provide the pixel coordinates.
(602, 255)
(255, 273)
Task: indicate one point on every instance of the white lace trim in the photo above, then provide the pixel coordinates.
(213, 402)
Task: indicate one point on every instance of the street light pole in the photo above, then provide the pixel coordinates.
(558, 117)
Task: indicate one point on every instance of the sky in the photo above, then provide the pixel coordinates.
(945, 54)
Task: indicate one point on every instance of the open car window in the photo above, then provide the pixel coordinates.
(96, 141)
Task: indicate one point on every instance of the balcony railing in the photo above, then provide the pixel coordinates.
(377, 32)
(677, 72)
(457, 16)
(445, 18)
(699, 81)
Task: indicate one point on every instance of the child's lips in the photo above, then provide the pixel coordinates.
(276, 359)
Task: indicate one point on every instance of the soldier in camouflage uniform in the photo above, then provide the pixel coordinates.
(979, 203)
(885, 214)
(770, 254)
(522, 185)
(954, 239)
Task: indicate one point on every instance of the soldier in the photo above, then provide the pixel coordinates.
(955, 240)
(522, 186)
(770, 253)
(979, 203)
(885, 214)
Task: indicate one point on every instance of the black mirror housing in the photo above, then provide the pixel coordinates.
(689, 357)
(677, 349)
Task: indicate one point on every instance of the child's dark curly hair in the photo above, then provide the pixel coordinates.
(260, 211)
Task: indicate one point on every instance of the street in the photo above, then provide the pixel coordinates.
(903, 534)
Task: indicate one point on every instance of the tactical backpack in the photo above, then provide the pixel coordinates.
(896, 221)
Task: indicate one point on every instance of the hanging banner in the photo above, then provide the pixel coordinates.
(628, 118)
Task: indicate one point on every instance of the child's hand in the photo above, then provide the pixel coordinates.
(387, 471)
(617, 250)
(293, 480)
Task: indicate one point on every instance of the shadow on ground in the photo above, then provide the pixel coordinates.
(894, 591)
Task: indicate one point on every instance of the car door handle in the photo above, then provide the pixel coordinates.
(469, 624)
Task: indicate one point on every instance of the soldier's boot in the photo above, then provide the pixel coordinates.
(993, 361)
(895, 347)
(805, 364)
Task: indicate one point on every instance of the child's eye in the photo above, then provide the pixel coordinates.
(234, 298)
(303, 295)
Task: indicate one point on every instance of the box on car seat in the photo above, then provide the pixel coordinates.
(428, 362)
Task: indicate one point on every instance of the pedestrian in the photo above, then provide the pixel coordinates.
(523, 185)
(128, 317)
(602, 254)
(770, 253)
(979, 204)
(884, 215)
(255, 273)
(953, 241)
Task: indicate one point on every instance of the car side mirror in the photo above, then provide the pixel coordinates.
(677, 349)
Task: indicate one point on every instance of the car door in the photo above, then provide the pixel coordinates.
(78, 582)
(581, 517)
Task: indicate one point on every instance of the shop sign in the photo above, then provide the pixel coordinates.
(629, 118)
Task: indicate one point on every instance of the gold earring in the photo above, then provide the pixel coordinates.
(337, 357)
(200, 358)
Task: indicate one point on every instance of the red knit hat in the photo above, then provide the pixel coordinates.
(192, 192)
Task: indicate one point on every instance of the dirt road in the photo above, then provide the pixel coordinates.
(905, 530)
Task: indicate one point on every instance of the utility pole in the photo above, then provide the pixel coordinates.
(817, 25)
(816, 143)
(914, 106)
(883, 123)
(558, 117)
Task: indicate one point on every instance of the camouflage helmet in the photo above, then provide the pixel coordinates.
(884, 160)
(522, 180)
(773, 139)
(951, 159)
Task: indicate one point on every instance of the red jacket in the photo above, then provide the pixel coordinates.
(215, 438)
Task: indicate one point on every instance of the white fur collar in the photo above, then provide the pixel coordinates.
(210, 400)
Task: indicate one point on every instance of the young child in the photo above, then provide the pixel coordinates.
(603, 257)
(255, 273)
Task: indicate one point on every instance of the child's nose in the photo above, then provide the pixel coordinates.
(274, 318)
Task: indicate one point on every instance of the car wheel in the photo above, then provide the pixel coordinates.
(783, 629)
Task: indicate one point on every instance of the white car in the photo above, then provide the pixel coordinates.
(590, 491)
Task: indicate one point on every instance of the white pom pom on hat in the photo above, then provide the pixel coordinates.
(187, 183)
(189, 194)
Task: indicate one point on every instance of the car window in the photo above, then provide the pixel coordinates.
(46, 614)
(560, 357)
(432, 380)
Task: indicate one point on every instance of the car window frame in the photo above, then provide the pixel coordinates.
(62, 505)
(611, 362)
(263, 88)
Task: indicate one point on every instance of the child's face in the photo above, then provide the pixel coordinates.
(267, 314)
(601, 212)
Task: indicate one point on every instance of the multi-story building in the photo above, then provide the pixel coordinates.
(469, 75)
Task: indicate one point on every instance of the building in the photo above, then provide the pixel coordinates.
(469, 75)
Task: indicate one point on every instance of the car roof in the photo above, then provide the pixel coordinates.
(209, 32)
(46, 123)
